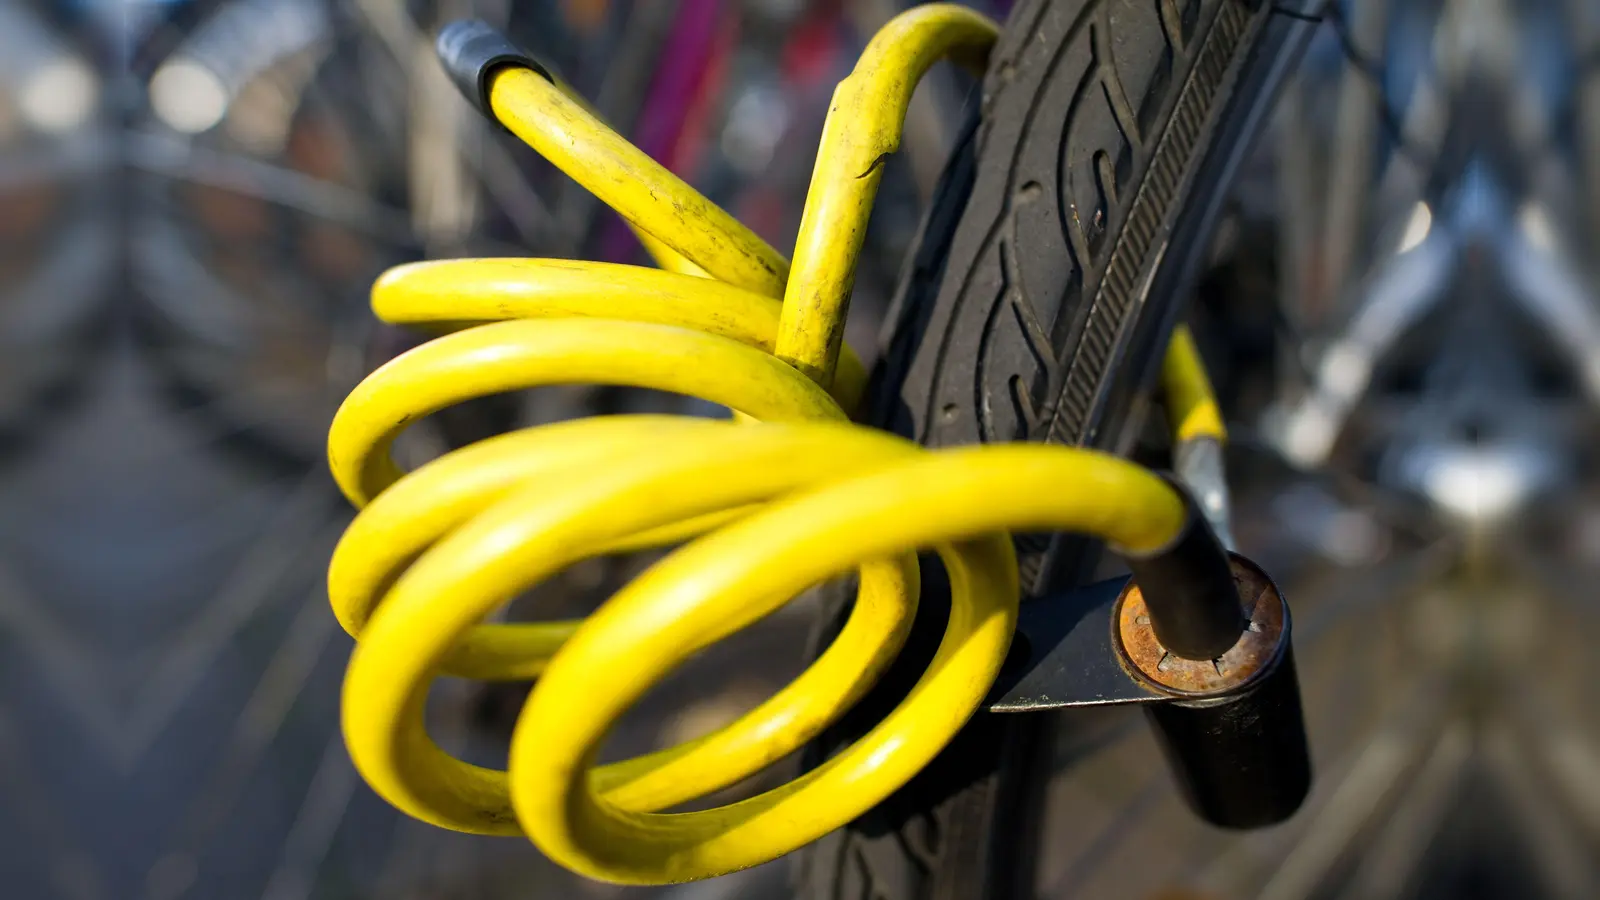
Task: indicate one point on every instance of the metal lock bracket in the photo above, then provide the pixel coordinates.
(1230, 724)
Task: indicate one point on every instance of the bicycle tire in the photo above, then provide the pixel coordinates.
(1043, 283)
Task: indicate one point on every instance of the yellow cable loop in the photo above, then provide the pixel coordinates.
(863, 127)
(1191, 405)
(767, 509)
(665, 257)
(653, 200)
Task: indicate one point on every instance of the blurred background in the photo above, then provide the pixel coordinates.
(1400, 314)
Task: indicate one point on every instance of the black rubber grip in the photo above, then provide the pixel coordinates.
(472, 51)
(1188, 588)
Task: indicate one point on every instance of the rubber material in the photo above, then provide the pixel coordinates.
(773, 508)
(1035, 307)
(472, 51)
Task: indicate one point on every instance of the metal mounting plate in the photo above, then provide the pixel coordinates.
(1064, 655)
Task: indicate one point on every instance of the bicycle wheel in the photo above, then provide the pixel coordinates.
(1045, 278)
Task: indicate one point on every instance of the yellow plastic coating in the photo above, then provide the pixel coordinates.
(863, 127)
(768, 508)
(410, 517)
(454, 292)
(665, 257)
(565, 513)
(508, 356)
(641, 190)
(955, 500)
(1191, 404)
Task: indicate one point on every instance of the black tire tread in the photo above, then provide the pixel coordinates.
(1011, 322)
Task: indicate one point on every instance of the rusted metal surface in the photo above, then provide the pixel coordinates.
(1147, 661)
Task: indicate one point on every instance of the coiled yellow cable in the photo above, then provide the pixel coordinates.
(1191, 405)
(768, 508)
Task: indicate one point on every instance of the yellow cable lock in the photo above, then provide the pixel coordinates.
(768, 508)
(1191, 405)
